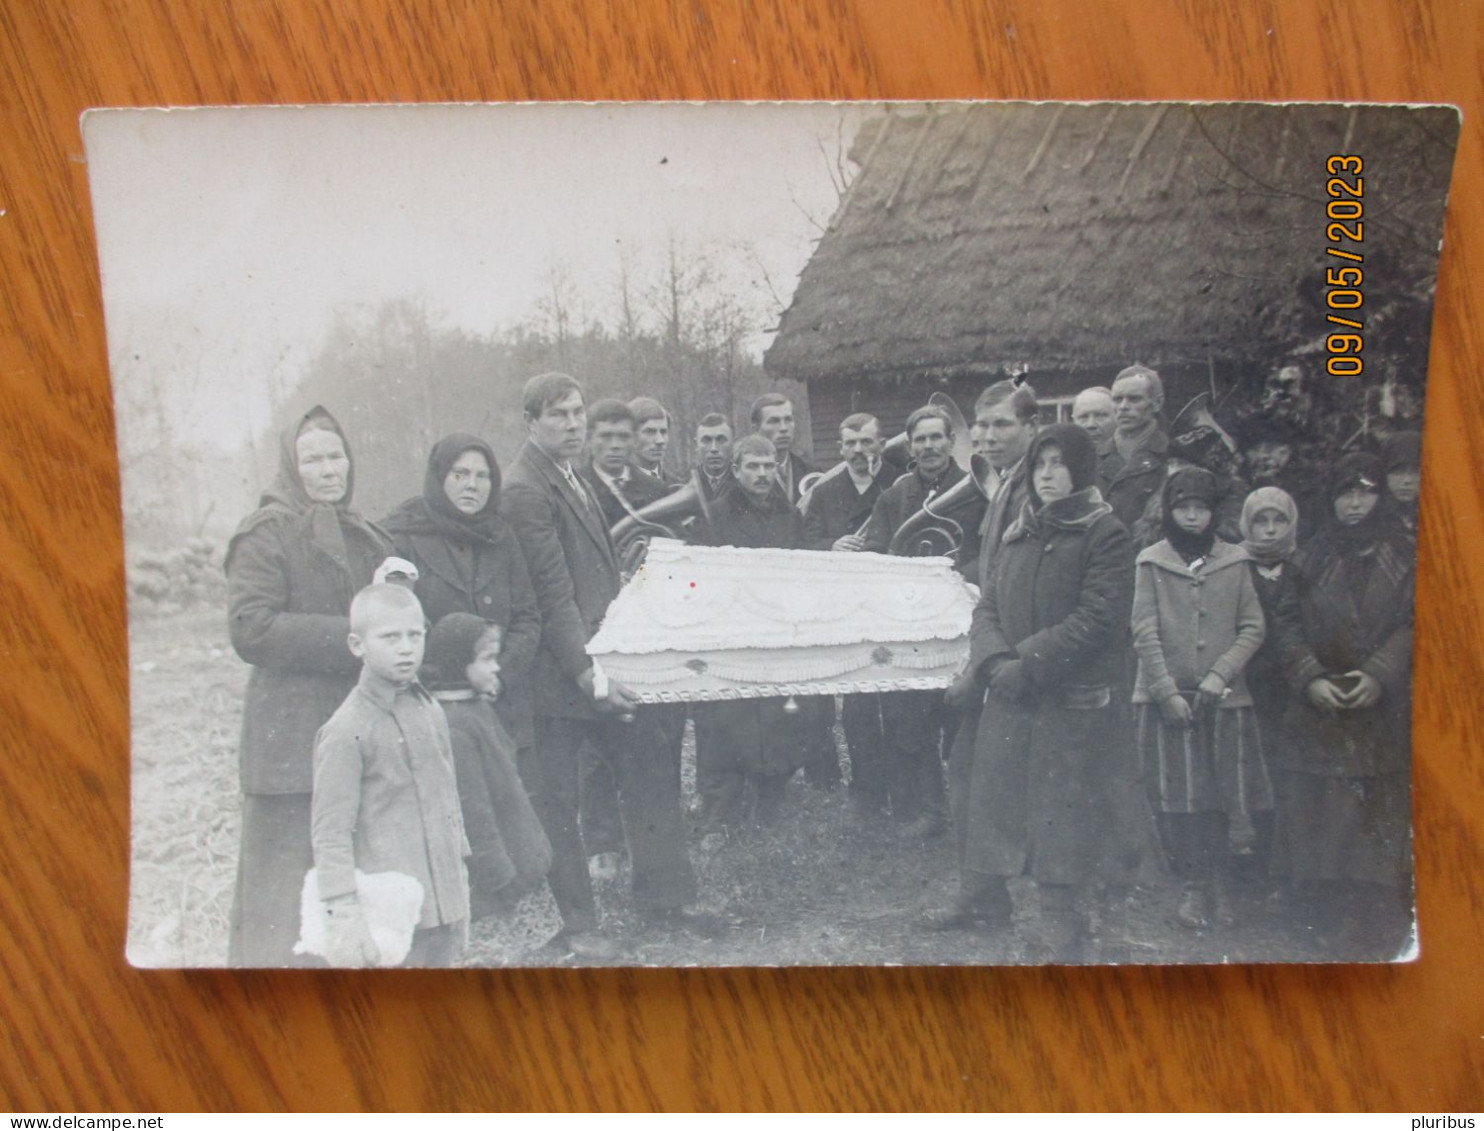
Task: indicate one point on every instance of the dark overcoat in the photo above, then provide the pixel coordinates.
(473, 564)
(1350, 617)
(738, 521)
(288, 605)
(491, 581)
(836, 508)
(1059, 603)
(639, 491)
(905, 498)
(1128, 484)
(573, 569)
(1343, 791)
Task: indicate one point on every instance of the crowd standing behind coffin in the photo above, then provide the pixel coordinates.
(1193, 648)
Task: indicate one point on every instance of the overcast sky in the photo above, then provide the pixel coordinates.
(229, 238)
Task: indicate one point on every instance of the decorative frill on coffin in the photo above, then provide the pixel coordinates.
(701, 623)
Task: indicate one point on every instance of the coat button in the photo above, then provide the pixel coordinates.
(1200, 643)
(488, 600)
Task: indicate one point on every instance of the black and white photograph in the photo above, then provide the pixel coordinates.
(770, 534)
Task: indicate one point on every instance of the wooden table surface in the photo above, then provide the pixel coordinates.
(84, 1032)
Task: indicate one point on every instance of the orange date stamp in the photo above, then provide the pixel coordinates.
(1344, 295)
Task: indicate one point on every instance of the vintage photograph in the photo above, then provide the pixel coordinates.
(770, 534)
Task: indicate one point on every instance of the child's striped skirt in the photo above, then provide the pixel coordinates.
(1214, 765)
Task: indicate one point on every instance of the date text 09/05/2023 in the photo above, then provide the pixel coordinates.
(1345, 229)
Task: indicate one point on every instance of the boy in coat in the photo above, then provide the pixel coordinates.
(385, 794)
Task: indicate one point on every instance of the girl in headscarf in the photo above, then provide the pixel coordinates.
(1270, 529)
(1344, 800)
(1047, 641)
(509, 852)
(1197, 623)
(292, 568)
(468, 561)
(1401, 455)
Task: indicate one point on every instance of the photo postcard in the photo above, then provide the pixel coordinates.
(770, 534)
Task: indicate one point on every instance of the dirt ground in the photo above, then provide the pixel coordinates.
(820, 887)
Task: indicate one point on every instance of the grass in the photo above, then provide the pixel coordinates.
(819, 886)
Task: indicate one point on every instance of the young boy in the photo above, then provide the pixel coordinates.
(385, 795)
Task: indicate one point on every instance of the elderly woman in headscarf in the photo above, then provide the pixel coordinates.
(292, 568)
(468, 561)
(1047, 640)
(1343, 792)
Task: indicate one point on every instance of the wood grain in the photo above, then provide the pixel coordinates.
(84, 1031)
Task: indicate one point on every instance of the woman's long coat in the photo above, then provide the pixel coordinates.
(492, 582)
(288, 605)
(1059, 604)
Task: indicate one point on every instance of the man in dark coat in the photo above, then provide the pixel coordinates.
(835, 514)
(773, 418)
(748, 749)
(620, 490)
(1006, 416)
(617, 485)
(836, 511)
(575, 572)
(1134, 468)
(714, 452)
(915, 722)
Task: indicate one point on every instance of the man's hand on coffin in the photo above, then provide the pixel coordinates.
(621, 699)
(849, 543)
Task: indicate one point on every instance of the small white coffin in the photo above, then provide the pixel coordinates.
(701, 623)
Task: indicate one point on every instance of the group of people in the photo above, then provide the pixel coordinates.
(1162, 654)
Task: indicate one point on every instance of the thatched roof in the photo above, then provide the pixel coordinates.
(976, 239)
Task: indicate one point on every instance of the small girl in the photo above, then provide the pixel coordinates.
(1196, 624)
(510, 851)
(1270, 524)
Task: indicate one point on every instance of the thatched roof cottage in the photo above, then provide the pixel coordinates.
(1067, 241)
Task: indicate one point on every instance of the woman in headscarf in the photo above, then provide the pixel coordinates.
(1197, 623)
(292, 568)
(1344, 800)
(1047, 641)
(468, 561)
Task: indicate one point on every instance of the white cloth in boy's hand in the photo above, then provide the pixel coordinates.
(374, 929)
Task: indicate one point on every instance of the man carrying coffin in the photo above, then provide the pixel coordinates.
(619, 488)
(748, 749)
(575, 572)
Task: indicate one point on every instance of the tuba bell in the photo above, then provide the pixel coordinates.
(663, 518)
(930, 533)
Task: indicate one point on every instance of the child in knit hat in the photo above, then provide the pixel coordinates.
(511, 854)
(1197, 622)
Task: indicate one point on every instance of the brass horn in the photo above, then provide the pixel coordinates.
(1196, 418)
(930, 532)
(894, 450)
(660, 519)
